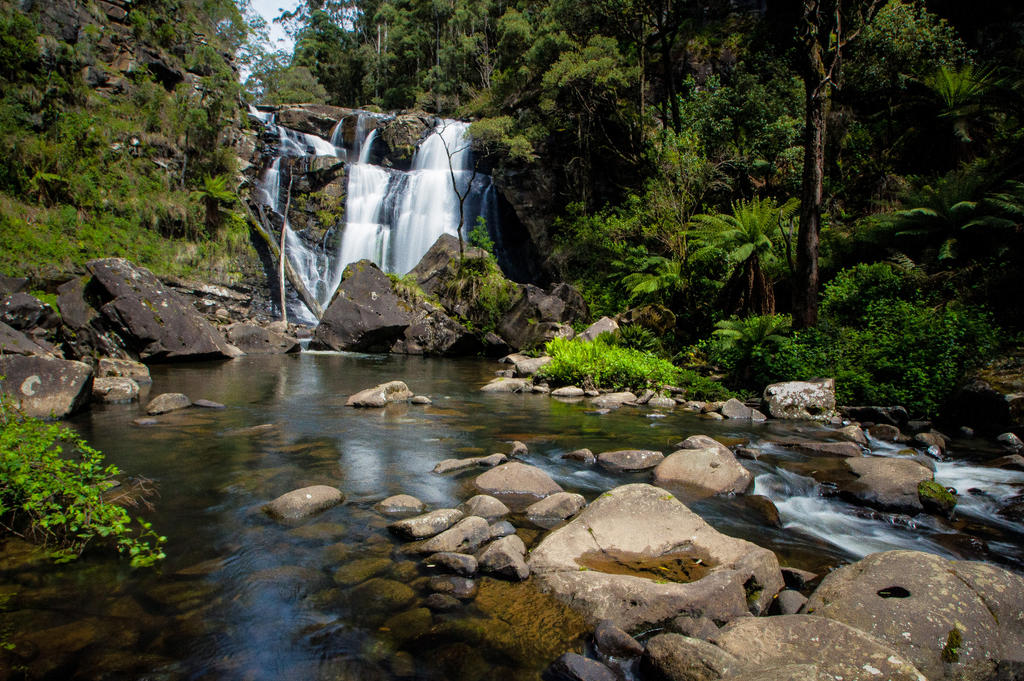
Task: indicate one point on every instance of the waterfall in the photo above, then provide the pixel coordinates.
(391, 217)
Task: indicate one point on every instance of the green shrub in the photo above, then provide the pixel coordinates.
(54, 490)
(603, 365)
(479, 287)
(846, 297)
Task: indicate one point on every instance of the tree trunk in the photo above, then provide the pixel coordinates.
(805, 284)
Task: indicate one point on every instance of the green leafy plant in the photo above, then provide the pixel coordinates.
(56, 491)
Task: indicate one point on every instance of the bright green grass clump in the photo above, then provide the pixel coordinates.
(604, 365)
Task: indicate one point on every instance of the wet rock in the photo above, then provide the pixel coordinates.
(519, 450)
(613, 400)
(798, 579)
(432, 332)
(505, 557)
(894, 416)
(459, 563)
(114, 390)
(537, 316)
(256, 340)
(557, 507)
(528, 366)
(455, 465)
(408, 625)
(360, 570)
(426, 525)
(854, 434)
(502, 528)
(167, 402)
(14, 342)
(1013, 462)
(785, 672)
(713, 416)
(381, 595)
(568, 391)
(885, 483)
(113, 367)
(935, 498)
(734, 409)
(366, 315)
(465, 536)
(845, 449)
(153, 320)
(506, 385)
(145, 422)
(519, 479)
(400, 504)
(45, 388)
(885, 432)
(575, 667)
(644, 526)
(711, 469)
(629, 460)
(673, 657)
(692, 405)
(801, 400)
(380, 395)
(931, 439)
(789, 601)
(320, 532)
(662, 403)
(486, 507)
(839, 651)
(913, 601)
(613, 641)
(442, 602)
(1010, 442)
(451, 585)
(602, 325)
(304, 502)
(583, 455)
(421, 399)
(208, 404)
(540, 389)
(765, 509)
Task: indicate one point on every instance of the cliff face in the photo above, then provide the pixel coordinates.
(117, 119)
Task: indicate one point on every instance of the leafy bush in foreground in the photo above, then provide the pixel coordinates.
(597, 363)
(53, 491)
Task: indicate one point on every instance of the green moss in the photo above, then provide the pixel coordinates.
(935, 498)
(951, 651)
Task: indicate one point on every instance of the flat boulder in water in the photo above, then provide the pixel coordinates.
(114, 390)
(167, 402)
(703, 469)
(639, 557)
(304, 502)
(914, 601)
(427, 524)
(466, 536)
(506, 385)
(838, 651)
(256, 340)
(366, 315)
(400, 504)
(380, 395)
(517, 479)
(886, 483)
(630, 460)
(612, 400)
(45, 388)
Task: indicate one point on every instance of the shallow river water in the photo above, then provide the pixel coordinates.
(241, 596)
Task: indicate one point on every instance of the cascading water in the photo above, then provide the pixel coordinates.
(391, 217)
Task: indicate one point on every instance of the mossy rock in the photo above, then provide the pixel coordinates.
(935, 498)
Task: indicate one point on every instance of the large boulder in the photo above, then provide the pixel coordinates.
(916, 601)
(401, 136)
(602, 325)
(801, 400)
(537, 316)
(886, 483)
(702, 468)
(84, 332)
(366, 314)
(45, 388)
(629, 460)
(437, 266)
(517, 482)
(256, 340)
(152, 320)
(432, 332)
(14, 342)
(427, 524)
(840, 652)
(315, 119)
(23, 312)
(674, 657)
(639, 557)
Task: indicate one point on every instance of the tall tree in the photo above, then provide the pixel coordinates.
(826, 27)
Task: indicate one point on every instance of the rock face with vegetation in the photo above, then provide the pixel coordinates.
(607, 563)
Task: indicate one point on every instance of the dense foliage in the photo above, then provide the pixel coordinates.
(97, 160)
(55, 490)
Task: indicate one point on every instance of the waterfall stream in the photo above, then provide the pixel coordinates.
(392, 217)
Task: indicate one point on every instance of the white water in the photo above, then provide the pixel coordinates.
(392, 217)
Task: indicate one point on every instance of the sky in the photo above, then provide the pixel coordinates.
(269, 9)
